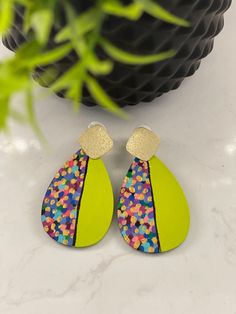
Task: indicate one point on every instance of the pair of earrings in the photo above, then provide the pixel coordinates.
(153, 214)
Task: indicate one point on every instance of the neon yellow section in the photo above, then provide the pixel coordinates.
(96, 207)
(172, 212)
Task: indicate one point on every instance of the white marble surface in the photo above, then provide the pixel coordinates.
(197, 124)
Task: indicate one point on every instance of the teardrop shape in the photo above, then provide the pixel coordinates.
(78, 205)
(153, 213)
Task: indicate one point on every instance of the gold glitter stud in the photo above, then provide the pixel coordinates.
(143, 143)
(95, 141)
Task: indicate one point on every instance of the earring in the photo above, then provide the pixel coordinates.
(78, 206)
(153, 213)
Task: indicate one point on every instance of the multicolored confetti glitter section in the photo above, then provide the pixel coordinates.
(136, 212)
(60, 209)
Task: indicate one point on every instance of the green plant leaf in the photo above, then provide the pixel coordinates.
(27, 50)
(4, 111)
(12, 82)
(50, 57)
(81, 34)
(6, 15)
(102, 98)
(69, 78)
(42, 30)
(82, 24)
(31, 114)
(159, 12)
(17, 116)
(48, 77)
(132, 11)
(98, 67)
(74, 93)
(128, 58)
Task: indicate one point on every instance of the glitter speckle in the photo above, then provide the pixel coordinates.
(60, 205)
(136, 210)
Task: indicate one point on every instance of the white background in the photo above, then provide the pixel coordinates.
(197, 125)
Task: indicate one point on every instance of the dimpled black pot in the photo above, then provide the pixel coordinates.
(129, 85)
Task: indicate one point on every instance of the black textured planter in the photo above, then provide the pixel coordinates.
(129, 85)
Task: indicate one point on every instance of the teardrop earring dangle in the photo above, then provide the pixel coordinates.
(78, 206)
(153, 213)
